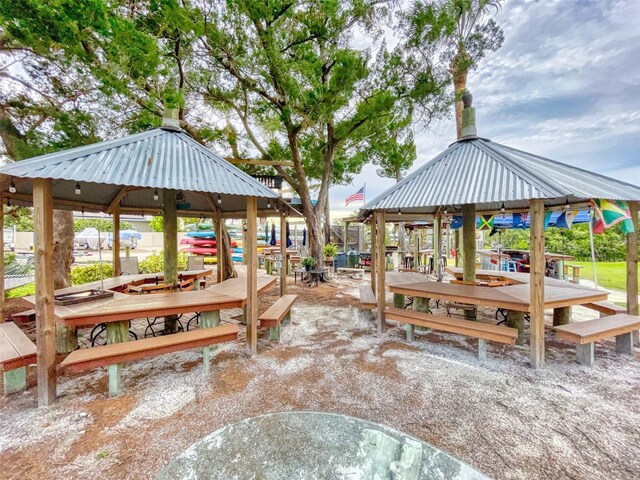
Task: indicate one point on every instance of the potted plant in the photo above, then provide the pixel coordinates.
(329, 251)
(308, 262)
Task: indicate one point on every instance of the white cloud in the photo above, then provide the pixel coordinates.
(565, 85)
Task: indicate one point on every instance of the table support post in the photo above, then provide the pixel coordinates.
(624, 344)
(372, 266)
(15, 380)
(421, 304)
(66, 339)
(398, 300)
(516, 320)
(561, 316)
(207, 320)
(117, 332)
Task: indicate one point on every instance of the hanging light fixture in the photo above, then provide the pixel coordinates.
(8, 202)
(78, 189)
(502, 209)
(155, 194)
(219, 200)
(268, 203)
(12, 187)
(399, 212)
(566, 205)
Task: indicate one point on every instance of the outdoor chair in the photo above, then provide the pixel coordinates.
(129, 266)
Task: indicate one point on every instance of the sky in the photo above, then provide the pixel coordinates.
(564, 85)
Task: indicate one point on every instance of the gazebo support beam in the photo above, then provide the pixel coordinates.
(469, 248)
(632, 267)
(170, 218)
(373, 268)
(45, 321)
(252, 276)
(220, 252)
(537, 283)
(380, 269)
(116, 241)
(2, 302)
(437, 244)
(283, 253)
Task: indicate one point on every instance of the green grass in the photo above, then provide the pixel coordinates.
(612, 275)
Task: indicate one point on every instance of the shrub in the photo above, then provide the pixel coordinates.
(155, 262)
(23, 291)
(82, 274)
(309, 261)
(9, 258)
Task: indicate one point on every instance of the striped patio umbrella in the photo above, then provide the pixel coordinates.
(273, 241)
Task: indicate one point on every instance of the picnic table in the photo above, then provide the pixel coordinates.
(558, 295)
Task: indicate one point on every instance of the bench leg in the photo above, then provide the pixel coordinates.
(516, 320)
(117, 332)
(287, 318)
(274, 333)
(410, 332)
(585, 354)
(208, 319)
(624, 343)
(482, 350)
(15, 380)
(244, 315)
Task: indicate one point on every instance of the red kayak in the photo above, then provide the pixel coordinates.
(202, 242)
(201, 250)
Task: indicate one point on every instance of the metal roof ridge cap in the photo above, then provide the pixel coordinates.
(511, 165)
(90, 149)
(566, 165)
(398, 186)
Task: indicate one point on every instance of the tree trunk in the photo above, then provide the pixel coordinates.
(229, 270)
(459, 75)
(315, 234)
(62, 248)
(327, 221)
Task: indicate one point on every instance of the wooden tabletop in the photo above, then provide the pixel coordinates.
(510, 297)
(516, 278)
(401, 278)
(228, 294)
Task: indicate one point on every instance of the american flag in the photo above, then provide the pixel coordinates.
(355, 197)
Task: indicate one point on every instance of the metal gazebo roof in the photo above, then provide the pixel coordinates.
(162, 158)
(478, 171)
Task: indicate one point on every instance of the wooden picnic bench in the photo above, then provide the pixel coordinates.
(353, 272)
(368, 301)
(575, 272)
(24, 317)
(585, 334)
(275, 314)
(482, 331)
(111, 355)
(16, 352)
(605, 308)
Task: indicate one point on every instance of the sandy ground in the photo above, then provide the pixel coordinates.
(501, 417)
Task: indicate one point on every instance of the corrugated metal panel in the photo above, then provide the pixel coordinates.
(487, 174)
(154, 159)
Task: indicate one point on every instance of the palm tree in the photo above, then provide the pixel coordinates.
(466, 32)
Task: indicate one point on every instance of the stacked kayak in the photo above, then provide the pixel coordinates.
(204, 243)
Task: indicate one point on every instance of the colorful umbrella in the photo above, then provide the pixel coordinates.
(304, 237)
(266, 231)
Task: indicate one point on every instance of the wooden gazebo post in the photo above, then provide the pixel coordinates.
(170, 237)
(2, 318)
(380, 262)
(116, 241)
(372, 267)
(537, 283)
(251, 255)
(45, 321)
(437, 243)
(283, 253)
(218, 222)
(632, 267)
